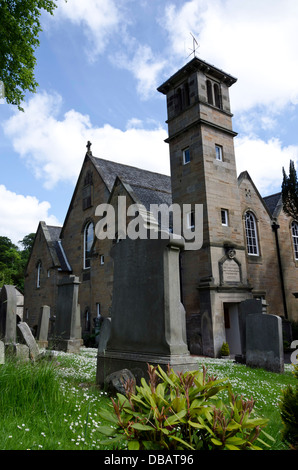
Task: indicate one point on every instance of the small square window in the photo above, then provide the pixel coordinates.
(186, 156)
(218, 152)
(224, 217)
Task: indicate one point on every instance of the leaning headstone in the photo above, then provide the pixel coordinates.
(26, 337)
(43, 327)
(148, 320)
(2, 353)
(264, 342)
(8, 310)
(68, 334)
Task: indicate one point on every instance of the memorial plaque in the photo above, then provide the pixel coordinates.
(231, 271)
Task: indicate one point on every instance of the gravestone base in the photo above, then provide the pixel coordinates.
(68, 345)
(109, 362)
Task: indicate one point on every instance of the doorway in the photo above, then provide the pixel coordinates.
(232, 327)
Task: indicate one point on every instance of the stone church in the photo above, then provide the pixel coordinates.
(249, 248)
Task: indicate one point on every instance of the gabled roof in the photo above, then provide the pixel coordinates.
(109, 171)
(246, 175)
(52, 237)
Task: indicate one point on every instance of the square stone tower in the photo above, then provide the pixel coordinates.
(203, 171)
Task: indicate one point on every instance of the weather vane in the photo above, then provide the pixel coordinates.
(195, 46)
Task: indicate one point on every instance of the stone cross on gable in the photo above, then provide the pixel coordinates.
(89, 146)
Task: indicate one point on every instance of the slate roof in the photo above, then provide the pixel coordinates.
(273, 202)
(133, 176)
(52, 235)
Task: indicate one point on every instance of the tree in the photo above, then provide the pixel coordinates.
(19, 30)
(289, 190)
(27, 242)
(13, 261)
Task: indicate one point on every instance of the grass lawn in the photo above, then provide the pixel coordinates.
(37, 411)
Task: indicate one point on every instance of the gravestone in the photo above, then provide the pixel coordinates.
(26, 337)
(2, 353)
(246, 307)
(147, 317)
(68, 332)
(104, 334)
(43, 326)
(264, 342)
(8, 311)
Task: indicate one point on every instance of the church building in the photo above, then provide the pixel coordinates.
(249, 247)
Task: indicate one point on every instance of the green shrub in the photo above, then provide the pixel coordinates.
(289, 413)
(225, 350)
(176, 411)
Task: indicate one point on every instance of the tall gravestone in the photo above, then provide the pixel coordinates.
(147, 317)
(8, 314)
(68, 334)
(264, 342)
(43, 326)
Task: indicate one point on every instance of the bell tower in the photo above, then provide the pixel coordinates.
(203, 171)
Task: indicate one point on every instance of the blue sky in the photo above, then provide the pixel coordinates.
(98, 66)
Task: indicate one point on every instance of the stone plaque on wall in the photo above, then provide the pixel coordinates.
(230, 271)
(230, 268)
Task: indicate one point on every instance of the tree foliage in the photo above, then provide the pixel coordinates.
(13, 260)
(19, 30)
(290, 192)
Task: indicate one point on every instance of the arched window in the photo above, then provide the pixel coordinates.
(217, 96)
(38, 273)
(88, 242)
(209, 92)
(87, 320)
(295, 238)
(251, 234)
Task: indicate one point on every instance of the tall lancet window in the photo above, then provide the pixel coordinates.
(251, 234)
(88, 242)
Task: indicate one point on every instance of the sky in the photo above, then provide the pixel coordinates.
(99, 64)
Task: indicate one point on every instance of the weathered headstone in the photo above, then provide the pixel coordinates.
(147, 318)
(26, 337)
(8, 310)
(264, 342)
(68, 317)
(18, 351)
(104, 334)
(2, 353)
(43, 326)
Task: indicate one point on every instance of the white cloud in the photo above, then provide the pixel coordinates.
(20, 215)
(254, 41)
(264, 161)
(98, 18)
(55, 148)
(145, 67)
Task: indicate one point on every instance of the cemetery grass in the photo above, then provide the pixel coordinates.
(54, 404)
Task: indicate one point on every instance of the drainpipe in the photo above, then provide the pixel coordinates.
(275, 227)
